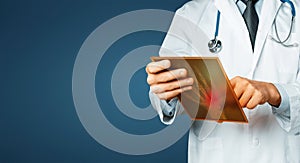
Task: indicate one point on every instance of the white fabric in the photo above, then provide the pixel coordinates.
(270, 136)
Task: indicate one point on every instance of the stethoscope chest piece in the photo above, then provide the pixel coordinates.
(215, 45)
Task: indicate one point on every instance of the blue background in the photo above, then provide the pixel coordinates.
(39, 41)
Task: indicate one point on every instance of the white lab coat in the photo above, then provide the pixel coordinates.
(270, 136)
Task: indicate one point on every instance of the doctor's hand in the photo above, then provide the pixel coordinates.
(167, 84)
(252, 93)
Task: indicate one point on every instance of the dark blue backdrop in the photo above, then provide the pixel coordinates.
(39, 41)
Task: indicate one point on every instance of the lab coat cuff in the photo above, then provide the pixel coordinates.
(292, 124)
(168, 108)
(163, 109)
(285, 103)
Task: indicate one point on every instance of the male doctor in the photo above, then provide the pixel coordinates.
(265, 76)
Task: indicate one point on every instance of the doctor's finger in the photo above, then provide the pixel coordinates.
(257, 99)
(245, 97)
(238, 90)
(252, 103)
(166, 76)
(155, 67)
(234, 81)
(164, 87)
(171, 94)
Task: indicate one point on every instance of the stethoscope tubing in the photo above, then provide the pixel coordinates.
(278, 40)
(217, 24)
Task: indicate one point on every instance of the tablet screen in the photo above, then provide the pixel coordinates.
(212, 97)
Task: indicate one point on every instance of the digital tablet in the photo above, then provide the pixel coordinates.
(212, 97)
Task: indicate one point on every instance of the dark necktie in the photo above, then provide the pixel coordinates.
(251, 19)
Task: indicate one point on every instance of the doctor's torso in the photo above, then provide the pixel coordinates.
(263, 140)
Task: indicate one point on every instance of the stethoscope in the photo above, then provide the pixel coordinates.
(215, 45)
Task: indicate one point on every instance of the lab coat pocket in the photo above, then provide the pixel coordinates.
(204, 145)
(211, 150)
(290, 44)
(282, 59)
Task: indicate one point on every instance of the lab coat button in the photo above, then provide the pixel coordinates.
(256, 141)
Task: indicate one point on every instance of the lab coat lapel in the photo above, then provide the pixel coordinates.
(267, 17)
(230, 11)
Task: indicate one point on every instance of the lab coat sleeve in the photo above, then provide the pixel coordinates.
(184, 38)
(178, 42)
(289, 118)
